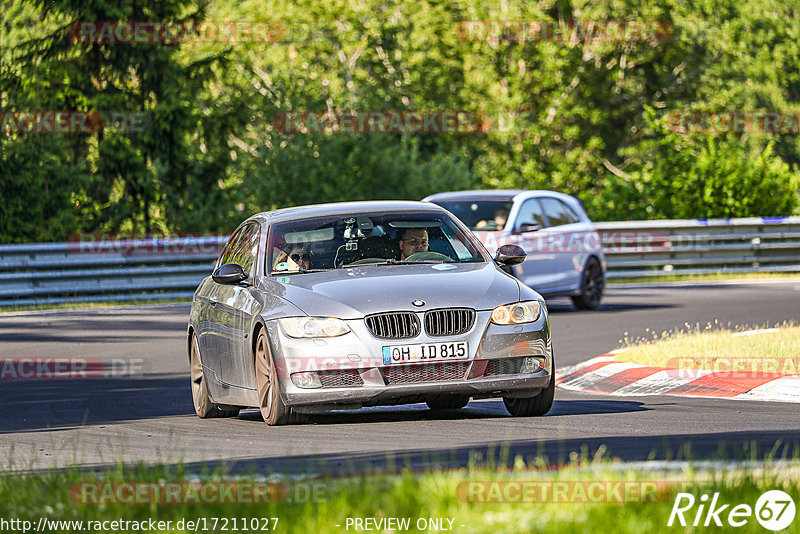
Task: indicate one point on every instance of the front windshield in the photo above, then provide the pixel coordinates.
(336, 242)
(479, 214)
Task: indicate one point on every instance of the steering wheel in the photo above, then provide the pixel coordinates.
(488, 226)
(429, 255)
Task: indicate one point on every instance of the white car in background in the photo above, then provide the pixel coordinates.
(565, 255)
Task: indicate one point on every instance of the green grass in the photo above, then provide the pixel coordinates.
(81, 305)
(718, 349)
(433, 494)
(702, 277)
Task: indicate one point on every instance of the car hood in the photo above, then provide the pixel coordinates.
(355, 292)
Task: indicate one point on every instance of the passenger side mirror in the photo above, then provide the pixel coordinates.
(229, 274)
(510, 255)
(527, 227)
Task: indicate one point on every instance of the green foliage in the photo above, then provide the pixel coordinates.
(676, 176)
(583, 496)
(338, 168)
(121, 179)
(583, 117)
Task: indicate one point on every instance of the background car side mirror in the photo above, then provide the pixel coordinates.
(527, 227)
(230, 273)
(510, 255)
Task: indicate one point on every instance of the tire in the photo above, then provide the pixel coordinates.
(203, 405)
(447, 403)
(592, 284)
(273, 409)
(537, 405)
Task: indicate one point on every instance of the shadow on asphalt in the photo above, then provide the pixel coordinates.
(475, 410)
(726, 447)
(567, 307)
(90, 331)
(66, 403)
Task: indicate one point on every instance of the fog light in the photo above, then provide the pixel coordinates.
(306, 380)
(533, 364)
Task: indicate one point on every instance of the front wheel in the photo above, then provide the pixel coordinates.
(537, 405)
(592, 283)
(273, 409)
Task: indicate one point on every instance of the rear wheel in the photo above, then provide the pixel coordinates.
(203, 405)
(448, 403)
(592, 283)
(273, 409)
(537, 405)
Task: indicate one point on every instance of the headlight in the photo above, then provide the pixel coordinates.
(314, 326)
(518, 313)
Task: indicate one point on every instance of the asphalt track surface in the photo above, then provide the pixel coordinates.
(149, 418)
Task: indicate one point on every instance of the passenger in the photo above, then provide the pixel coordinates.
(297, 258)
(412, 241)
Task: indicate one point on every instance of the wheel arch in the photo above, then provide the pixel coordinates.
(258, 325)
(189, 335)
(590, 257)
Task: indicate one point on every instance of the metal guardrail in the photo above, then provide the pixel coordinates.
(701, 246)
(104, 269)
(170, 268)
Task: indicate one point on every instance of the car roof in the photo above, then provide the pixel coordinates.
(342, 208)
(476, 194)
(495, 194)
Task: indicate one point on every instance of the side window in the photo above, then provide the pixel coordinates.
(557, 212)
(241, 248)
(574, 214)
(227, 251)
(246, 248)
(531, 212)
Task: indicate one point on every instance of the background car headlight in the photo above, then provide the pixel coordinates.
(518, 313)
(314, 326)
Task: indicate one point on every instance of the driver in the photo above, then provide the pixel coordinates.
(499, 221)
(412, 241)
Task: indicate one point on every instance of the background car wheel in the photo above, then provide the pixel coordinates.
(203, 405)
(537, 405)
(273, 410)
(592, 283)
(448, 403)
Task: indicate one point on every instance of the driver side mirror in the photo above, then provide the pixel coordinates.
(229, 274)
(527, 227)
(510, 255)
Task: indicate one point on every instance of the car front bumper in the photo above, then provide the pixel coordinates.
(356, 376)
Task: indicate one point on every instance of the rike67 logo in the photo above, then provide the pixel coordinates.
(774, 510)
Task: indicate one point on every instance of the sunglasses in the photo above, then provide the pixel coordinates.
(305, 256)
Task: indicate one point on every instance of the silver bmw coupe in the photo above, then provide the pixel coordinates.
(341, 306)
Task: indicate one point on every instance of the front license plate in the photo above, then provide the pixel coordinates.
(425, 352)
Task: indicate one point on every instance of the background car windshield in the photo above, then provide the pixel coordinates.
(479, 214)
(333, 242)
